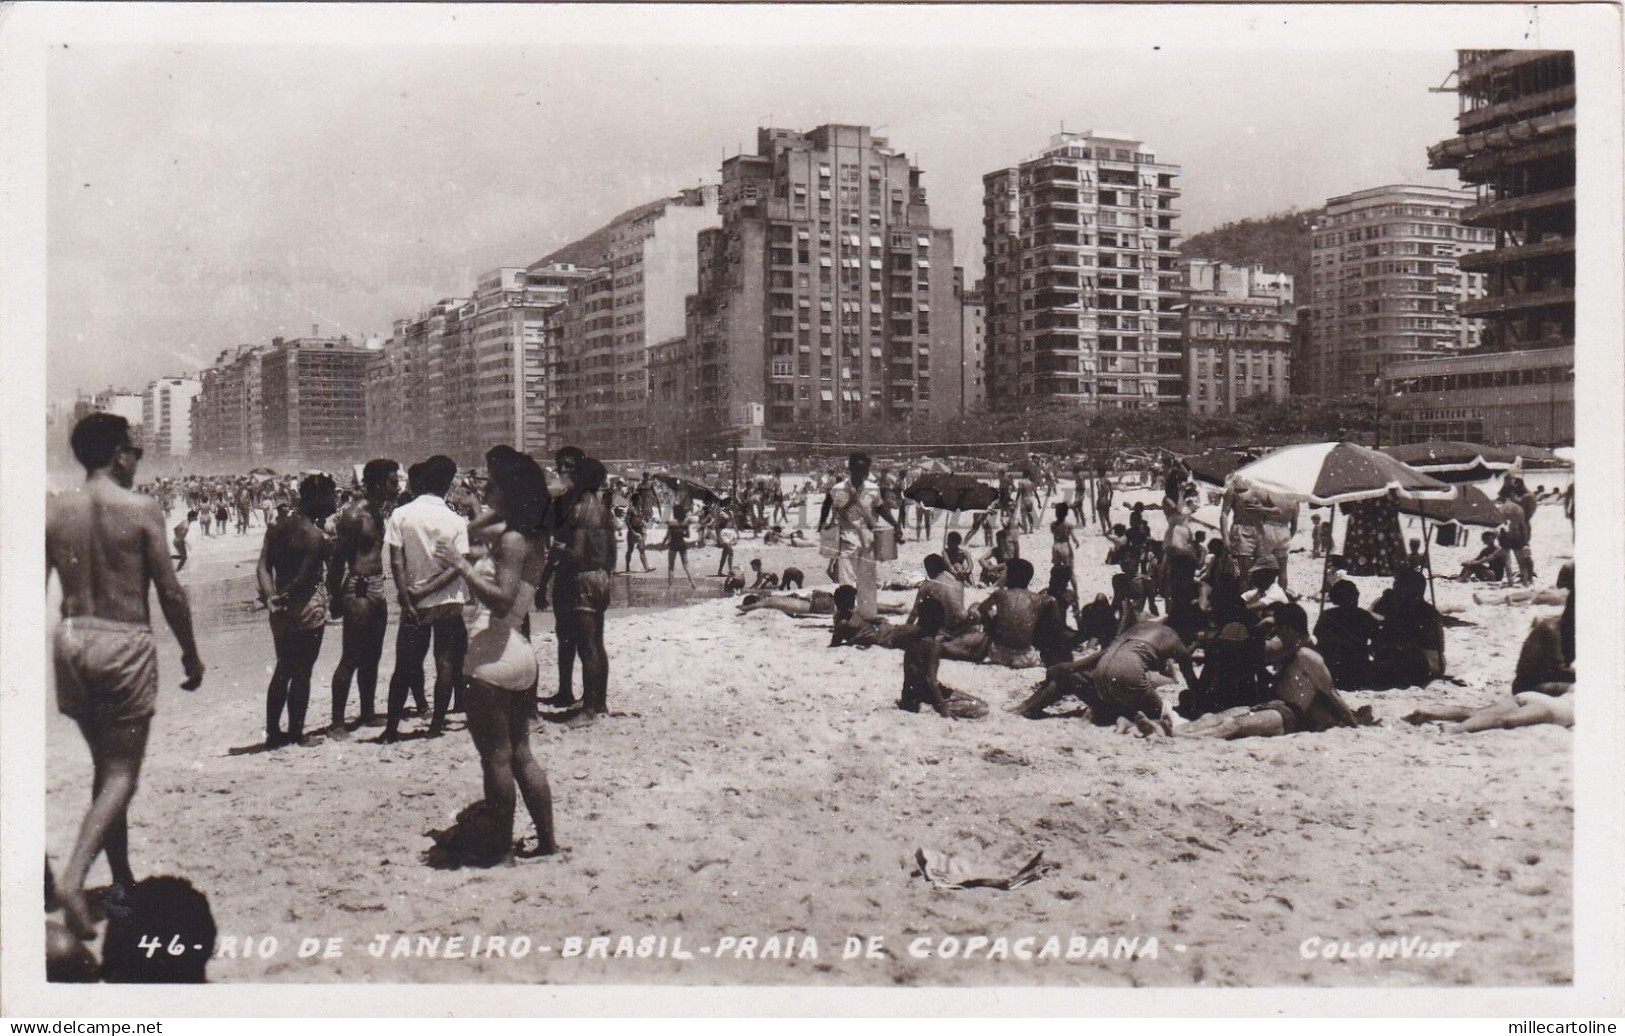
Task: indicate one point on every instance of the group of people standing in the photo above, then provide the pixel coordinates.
(465, 587)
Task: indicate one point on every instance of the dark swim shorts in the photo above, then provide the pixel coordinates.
(1289, 715)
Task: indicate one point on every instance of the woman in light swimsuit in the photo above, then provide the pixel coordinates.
(500, 665)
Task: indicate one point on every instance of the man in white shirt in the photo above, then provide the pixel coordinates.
(431, 596)
(854, 505)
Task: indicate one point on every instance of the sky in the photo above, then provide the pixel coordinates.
(202, 196)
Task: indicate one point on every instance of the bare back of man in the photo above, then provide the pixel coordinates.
(107, 546)
(290, 577)
(355, 586)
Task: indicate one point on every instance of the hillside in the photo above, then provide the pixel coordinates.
(1279, 243)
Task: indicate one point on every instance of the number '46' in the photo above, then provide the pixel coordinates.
(152, 945)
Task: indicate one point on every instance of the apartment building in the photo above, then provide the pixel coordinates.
(313, 399)
(1387, 285)
(826, 297)
(166, 416)
(1081, 287)
(1240, 325)
(1515, 149)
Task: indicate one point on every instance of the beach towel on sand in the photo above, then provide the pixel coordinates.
(944, 870)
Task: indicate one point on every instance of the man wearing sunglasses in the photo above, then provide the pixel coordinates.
(107, 546)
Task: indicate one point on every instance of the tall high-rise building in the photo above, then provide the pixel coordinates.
(313, 395)
(167, 416)
(647, 265)
(1515, 148)
(1386, 283)
(1239, 329)
(826, 297)
(973, 338)
(1081, 287)
(226, 414)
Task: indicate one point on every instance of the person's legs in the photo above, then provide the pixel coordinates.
(1523, 710)
(117, 749)
(450, 645)
(372, 649)
(488, 719)
(411, 647)
(303, 646)
(683, 554)
(1526, 565)
(1236, 723)
(276, 692)
(532, 779)
(352, 647)
(589, 632)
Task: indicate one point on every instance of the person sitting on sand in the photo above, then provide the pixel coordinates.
(1010, 616)
(1264, 590)
(958, 559)
(922, 657)
(939, 585)
(1234, 673)
(995, 563)
(1097, 622)
(1488, 565)
(1408, 647)
(1343, 636)
(734, 582)
(1304, 699)
(762, 579)
(1417, 558)
(1546, 662)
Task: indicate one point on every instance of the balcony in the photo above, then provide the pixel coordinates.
(1489, 212)
(1490, 259)
(1519, 301)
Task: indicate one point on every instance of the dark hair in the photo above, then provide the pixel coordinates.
(1018, 573)
(860, 458)
(1409, 580)
(954, 539)
(755, 562)
(846, 595)
(174, 913)
(377, 472)
(414, 479)
(1345, 594)
(589, 475)
(191, 516)
(574, 454)
(97, 438)
(526, 502)
(1060, 577)
(1061, 509)
(934, 565)
(317, 496)
(1267, 572)
(931, 615)
(438, 471)
(1293, 617)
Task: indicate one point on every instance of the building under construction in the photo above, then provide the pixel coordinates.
(1515, 147)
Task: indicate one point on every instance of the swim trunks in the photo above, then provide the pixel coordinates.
(369, 587)
(581, 591)
(1289, 715)
(106, 671)
(999, 655)
(302, 615)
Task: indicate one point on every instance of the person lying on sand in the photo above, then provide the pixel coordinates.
(814, 602)
(1010, 617)
(852, 629)
(1305, 699)
(1524, 709)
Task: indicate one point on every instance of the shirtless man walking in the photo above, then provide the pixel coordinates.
(355, 588)
(107, 546)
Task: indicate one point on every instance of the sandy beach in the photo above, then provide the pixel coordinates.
(757, 784)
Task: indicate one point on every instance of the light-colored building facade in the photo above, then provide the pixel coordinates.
(129, 405)
(1491, 396)
(1081, 286)
(647, 268)
(973, 337)
(313, 394)
(1239, 326)
(826, 297)
(1387, 285)
(227, 420)
(166, 416)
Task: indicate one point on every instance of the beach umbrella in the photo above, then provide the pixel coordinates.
(1214, 467)
(950, 492)
(933, 466)
(696, 490)
(261, 471)
(1327, 473)
(1471, 507)
(1450, 455)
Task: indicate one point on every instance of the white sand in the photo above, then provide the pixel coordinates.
(761, 784)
